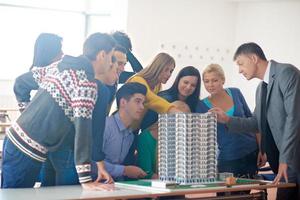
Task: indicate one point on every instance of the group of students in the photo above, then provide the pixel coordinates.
(65, 136)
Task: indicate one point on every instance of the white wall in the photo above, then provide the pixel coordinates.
(216, 28)
(275, 26)
(199, 32)
(194, 32)
(7, 98)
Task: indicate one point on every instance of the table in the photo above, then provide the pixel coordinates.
(70, 192)
(4, 119)
(8, 109)
(121, 192)
(5, 124)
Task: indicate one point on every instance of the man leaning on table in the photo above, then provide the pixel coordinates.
(276, 115)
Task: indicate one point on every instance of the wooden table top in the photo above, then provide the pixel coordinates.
(120, 192)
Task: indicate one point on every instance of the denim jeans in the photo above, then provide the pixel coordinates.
(245, 167)
(18, 169)
(59, 169)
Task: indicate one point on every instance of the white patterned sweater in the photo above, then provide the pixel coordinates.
(64, 101)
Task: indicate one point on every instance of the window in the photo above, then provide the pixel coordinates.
(22, 21)
(20, 28)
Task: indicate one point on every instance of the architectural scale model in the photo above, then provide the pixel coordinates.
(187, 148)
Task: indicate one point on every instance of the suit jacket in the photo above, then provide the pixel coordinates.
(283, 113)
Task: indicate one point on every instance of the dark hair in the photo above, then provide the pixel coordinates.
(120, 48)
(172, 93)
(193, 98)
(46, 48)
(97, 42)
(250, 48)
(122, 39)
(128, 90)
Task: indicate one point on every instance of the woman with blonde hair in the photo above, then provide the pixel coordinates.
(238, 152)
(153, 76)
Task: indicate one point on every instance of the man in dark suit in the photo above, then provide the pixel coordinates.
(276, 115)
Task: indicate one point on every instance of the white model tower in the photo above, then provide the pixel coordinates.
(187, 148)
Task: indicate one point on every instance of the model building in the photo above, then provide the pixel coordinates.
(187, 148)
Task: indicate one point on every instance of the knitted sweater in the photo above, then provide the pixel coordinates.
(65, 100)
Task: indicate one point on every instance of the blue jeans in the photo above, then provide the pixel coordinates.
(245, 167)
(59, 169)
(18, 169)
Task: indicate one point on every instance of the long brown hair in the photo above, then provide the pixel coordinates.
(154, 69)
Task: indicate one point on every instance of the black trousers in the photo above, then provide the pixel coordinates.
(271, 151)
(290, 193)
(273, 159)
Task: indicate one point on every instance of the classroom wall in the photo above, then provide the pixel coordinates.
(194, 32)
(7, 99)
(275, 26)
(199, 32)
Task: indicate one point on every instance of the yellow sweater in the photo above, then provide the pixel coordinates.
(153, 101)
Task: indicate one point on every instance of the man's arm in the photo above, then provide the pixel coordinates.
(261, 157)
(127, 168)
(242, 124)
(290, 140)
(98, 121)
(82, 153)
(23, 85)
(82, 148)
(115, 170)
(124, 76)
(236, 124)
(29, 81)
(136, 67)
(82, 120)
(290, 87)
(118, 171)
(98, 125)
(135, 64)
